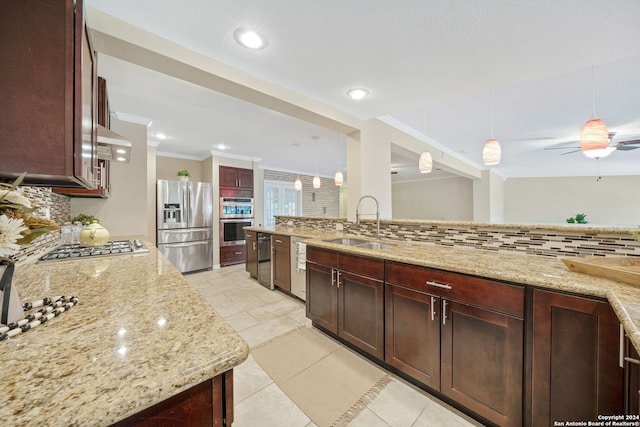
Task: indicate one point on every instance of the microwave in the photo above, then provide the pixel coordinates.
(236, 207)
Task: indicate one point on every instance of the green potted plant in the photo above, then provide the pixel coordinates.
(578, 219)
(184, 175)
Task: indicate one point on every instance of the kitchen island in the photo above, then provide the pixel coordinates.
(140, 341)
(511, 338)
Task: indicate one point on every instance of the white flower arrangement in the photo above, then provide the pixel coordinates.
(17, 226)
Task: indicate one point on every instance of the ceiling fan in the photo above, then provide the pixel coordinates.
(620, 145)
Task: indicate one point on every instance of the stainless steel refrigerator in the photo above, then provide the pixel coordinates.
(184, 223)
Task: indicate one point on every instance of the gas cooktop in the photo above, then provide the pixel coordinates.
(115, 247)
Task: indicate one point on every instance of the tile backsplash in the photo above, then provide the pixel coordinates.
(540, 240)
(53, 206)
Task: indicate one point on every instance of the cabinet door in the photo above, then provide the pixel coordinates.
(245, 178)
(228, 177)
(412, 334)
(322, 297)
(631, 380)
(251, 245)
(361, 312)
(482, 359)
(576, 373)
(281, 264)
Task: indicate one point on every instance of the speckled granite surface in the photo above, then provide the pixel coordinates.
(139, 335)
(550, 273)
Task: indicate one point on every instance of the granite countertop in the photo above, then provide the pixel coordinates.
(514, 267)
(139, 335)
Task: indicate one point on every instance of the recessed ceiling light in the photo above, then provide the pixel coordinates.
(249, 38)
(357, 93)
(161, 135)
(221, 147)
(121, 151)
(121, 159)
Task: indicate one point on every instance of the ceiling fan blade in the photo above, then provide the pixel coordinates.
(569, 152)
(561, 148)
(630, 142)
(625, 148)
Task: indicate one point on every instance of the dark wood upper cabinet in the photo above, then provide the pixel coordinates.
(49, 89)
(239, 178)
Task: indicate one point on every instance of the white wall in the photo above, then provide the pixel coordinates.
(126, 212)
(613, 200)
(449, 199)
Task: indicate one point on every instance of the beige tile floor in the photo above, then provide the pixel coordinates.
(259, 314)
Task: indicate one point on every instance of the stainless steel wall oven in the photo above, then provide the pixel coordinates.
(232, 231)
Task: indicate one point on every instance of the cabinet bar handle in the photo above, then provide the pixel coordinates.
(433, 308)
(254, 246)
(632, 360)
(278, 241)
(622, 358)
(333, 279)
(338, 276)
(238, 253)
(444, 311)
(438, 285)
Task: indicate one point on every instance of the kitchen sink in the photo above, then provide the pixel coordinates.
(360, 243)
(347, 241)
(375, 245)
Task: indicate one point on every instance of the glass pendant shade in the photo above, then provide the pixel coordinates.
(594, 136)
(491, 153)
(339, 178)
(297, 184)
(425, 164)
(316, 182)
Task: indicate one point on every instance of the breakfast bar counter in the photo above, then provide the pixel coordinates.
(543, 272)
(140, 335)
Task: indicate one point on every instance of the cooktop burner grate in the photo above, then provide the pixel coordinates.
(115, 247)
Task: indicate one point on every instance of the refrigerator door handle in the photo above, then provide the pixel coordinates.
(184, 245)
(184, 231)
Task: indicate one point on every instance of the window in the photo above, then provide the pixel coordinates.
(280, 198)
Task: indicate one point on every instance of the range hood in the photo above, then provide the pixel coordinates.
(112, 146)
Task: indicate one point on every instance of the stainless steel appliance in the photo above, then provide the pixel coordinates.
(298, 253)
(232, 231)
(115, 247)
(236, 207)
(184, 224)
(264, 260)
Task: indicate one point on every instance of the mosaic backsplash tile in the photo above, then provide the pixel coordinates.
(555, 241)
(53, 206)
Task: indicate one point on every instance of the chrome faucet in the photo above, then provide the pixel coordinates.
(377, 213)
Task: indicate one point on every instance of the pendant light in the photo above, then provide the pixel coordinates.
(339, 178)
(491, 153)
(594, 138)
(425, 163)
(316, 178)
(297, 184)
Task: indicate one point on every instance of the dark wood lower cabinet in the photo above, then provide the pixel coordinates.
(281, 262)
(208, 404)
(412, 334)
(230, 255)
(631, 380)
(361, 312)
(322, 297)
(482, 360)
(576, 373)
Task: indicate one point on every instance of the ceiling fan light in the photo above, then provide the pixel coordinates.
(598, 153)
(339, 178)
(297, 184)
(491, 153)
(316, 181)
(425, 163)
(594, 136)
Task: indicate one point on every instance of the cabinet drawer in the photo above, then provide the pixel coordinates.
(279, 240)
(363, 266)
(250, 235)
(322, 256)
(486, 293)
(232, 254)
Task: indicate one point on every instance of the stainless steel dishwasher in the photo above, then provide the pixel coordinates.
(264, 260)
